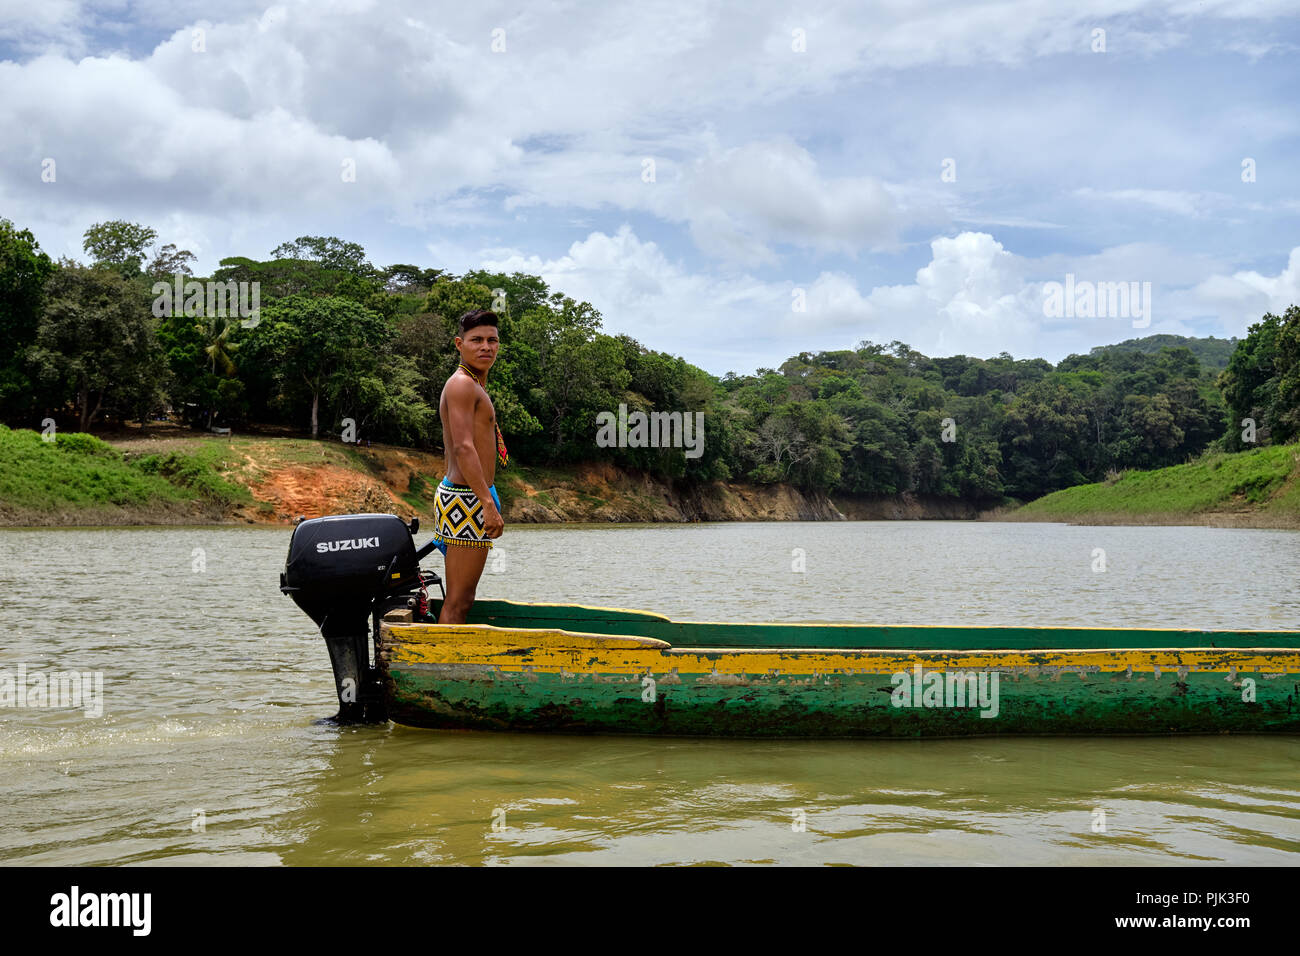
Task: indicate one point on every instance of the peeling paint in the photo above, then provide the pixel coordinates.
(504, 678)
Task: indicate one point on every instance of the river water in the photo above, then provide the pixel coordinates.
(208, 750)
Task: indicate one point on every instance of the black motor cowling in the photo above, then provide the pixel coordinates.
(344, 571)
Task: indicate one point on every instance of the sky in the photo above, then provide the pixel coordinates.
(732, 183)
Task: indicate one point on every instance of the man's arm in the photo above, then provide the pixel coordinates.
(462, 397)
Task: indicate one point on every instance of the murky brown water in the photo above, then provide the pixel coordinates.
(207, 750)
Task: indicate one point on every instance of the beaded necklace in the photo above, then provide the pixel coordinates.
(502, 455)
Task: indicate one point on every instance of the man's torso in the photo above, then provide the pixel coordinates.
(485, 435)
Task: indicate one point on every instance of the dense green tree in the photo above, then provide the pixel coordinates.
(1286, 406)
(1262, 381)
(119, 244)
(329, 252)
(1250, 382)
(410, 280)
(321, 266)
(340, 338)
(318, 347)
(24, 270)
(385, 398)
(451, 299)
(578, 378)
(206, 384)
(1211, 352)
(170, 261)
(96, 340)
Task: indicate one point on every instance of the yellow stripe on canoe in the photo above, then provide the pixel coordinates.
(555, 651)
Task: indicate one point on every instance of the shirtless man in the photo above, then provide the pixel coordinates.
(468, 511)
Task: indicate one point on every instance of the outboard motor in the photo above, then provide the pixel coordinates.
(346, 571)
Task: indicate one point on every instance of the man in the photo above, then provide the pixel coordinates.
(467, 509)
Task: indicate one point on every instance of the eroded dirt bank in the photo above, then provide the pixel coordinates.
(279, 479)
(288, 478)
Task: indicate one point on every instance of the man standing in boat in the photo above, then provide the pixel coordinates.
(467, 509)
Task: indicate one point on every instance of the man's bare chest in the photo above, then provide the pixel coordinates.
(485, 413)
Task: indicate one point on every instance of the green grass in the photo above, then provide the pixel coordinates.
(507, 488)
(510, 482)
(1264, 479)
(358, 459)
(540, 474)
(81, 471)
(307, 451)
(197, 471)
(418, 496)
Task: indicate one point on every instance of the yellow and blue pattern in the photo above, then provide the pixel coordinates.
(459, 516)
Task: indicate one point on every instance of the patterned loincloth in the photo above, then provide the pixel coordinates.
(458, 516)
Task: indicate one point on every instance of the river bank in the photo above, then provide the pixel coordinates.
(176, 477)
(180, 478)
(1250, 489)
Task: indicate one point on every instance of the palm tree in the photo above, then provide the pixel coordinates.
(219, 349)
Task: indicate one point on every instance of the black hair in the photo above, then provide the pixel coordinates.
(476, 317)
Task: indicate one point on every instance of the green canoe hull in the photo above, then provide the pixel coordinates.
(569, 669)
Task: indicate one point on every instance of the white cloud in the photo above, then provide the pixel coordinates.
(39, 27)
(740, 200)
(973, 297)
(715, 322)
(1244, 297)
(1166, 200)
(1257, 50)
(739, 204)
(786, 169)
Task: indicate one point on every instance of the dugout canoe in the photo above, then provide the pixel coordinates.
(575, 669)
(570, 668)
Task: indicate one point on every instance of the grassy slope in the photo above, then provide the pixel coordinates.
(80, 473)
(78, 478)
(1261, 487)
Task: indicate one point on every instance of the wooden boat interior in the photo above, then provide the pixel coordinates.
(620, 621)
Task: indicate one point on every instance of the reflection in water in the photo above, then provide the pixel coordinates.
(208, 750)
(407, 796)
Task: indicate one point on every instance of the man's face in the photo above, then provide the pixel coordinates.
(478, 347)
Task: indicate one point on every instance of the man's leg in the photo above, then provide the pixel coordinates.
(463, 566)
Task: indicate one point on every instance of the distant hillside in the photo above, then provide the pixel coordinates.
(1211, 352)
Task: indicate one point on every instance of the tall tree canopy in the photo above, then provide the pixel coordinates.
(24, 270)
(342, 339)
